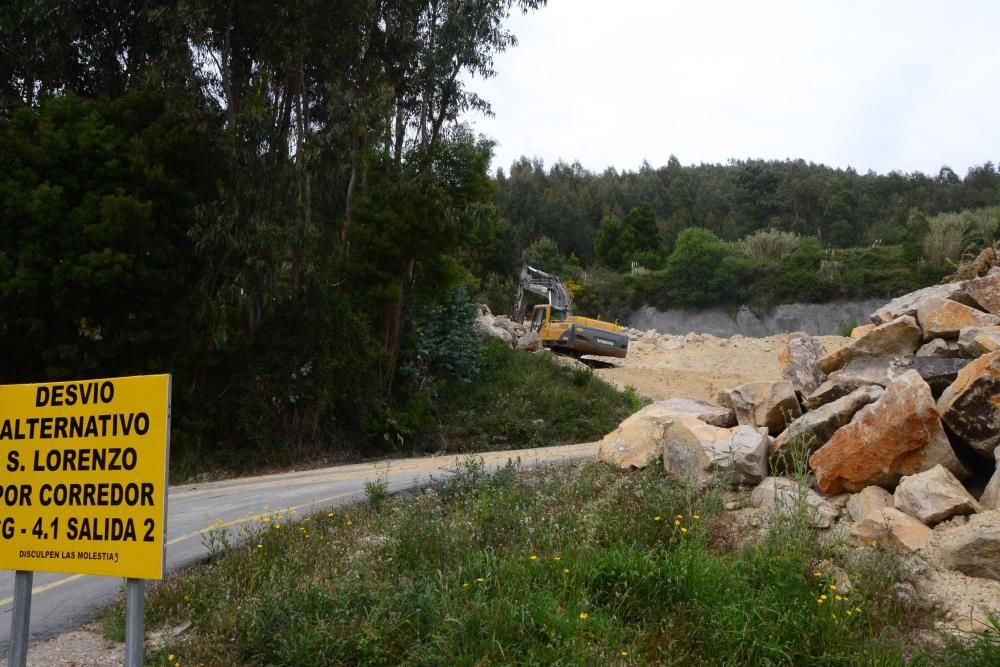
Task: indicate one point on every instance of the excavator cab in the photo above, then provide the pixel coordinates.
(540, 319)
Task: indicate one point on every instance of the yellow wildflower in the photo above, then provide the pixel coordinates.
(170, 657)
(823, 596)
(624, 653)
(480, 579)
(833, 587)
(350, 523)
(680, 516)
(677, 523)
(565, 570)
(260, 546)
(534, 557)
(656, 518)
(684, 530)
(695, 517)
(583, 615)
(556, 558)
(817, 574)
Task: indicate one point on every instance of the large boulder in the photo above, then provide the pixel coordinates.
(990, 499)
(933, 496)
(707, 412)
(908, 304)
(636, 440)
(891, 527)
(767, 403)
(780, 496)
(486, 327)
(868, 502)
(529, 342)
(972, 549)
(970, 406)
(944, 318)
(977, 341)
(815, 428)
(799, 360)
(696, 452)
(899, 434)
(858, 332)
(985, 292)
(897, 338)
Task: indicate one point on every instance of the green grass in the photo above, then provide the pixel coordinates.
(526, 400)
(569, 565)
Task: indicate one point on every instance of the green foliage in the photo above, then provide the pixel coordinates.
(573, 564)
(702, 268)
(945, 239)
(522, 400)
(769, 246)
(635, 239)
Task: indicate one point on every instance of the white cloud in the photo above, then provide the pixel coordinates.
(875, 85)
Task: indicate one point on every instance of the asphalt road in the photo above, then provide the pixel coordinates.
(62, 602)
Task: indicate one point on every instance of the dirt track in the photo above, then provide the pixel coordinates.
(701, 365)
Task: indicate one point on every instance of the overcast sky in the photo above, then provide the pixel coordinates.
(880, 85)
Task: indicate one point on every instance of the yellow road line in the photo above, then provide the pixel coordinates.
(215, 526)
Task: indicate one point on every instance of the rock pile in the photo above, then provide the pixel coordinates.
(905, 418)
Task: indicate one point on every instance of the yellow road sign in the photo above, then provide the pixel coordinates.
(83, 476)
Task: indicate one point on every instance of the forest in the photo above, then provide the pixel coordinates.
(280, 204)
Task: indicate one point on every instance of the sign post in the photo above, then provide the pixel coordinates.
(83, 488)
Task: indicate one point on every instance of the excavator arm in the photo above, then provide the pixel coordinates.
(542, 284)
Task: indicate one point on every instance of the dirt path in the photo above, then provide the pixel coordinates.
(698, 365)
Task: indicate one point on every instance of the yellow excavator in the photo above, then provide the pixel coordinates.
(557, 327)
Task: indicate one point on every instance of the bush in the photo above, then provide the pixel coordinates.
(697, 273)
(769, 246)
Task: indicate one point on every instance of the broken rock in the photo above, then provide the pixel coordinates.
(941, 348)
(899, 434)
(766, 403)
(970, 406)
(783, 496)
(636, 440)
(800, 363)
(985, 292)
(908, 304)
(977, 341)
(868, 502)
(990, 499)
(815, 428)
(897, 338)
(933, 496)
(944, 318)
(694, 451)
(973, 549)
(707, 412)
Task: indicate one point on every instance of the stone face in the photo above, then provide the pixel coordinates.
(941, 348)
(991, 494)
(858, 332)
(694, 452)
(636, 440)
(828, 392)
(971, 405)
(485, 327)
(972, 549)
(909, 303)
(868, 502)
(703, 410)
(815, 428)
(985, 292)
(904, 532)
(800, 363)
(897, 338)
(860, 372)
(938, 373)
(977, 341)
(781, 496)
(766, 403)
(899, 434)
(933, 496)
(529, 342)
(944, 318)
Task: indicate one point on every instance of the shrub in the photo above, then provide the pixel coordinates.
(769, 246)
